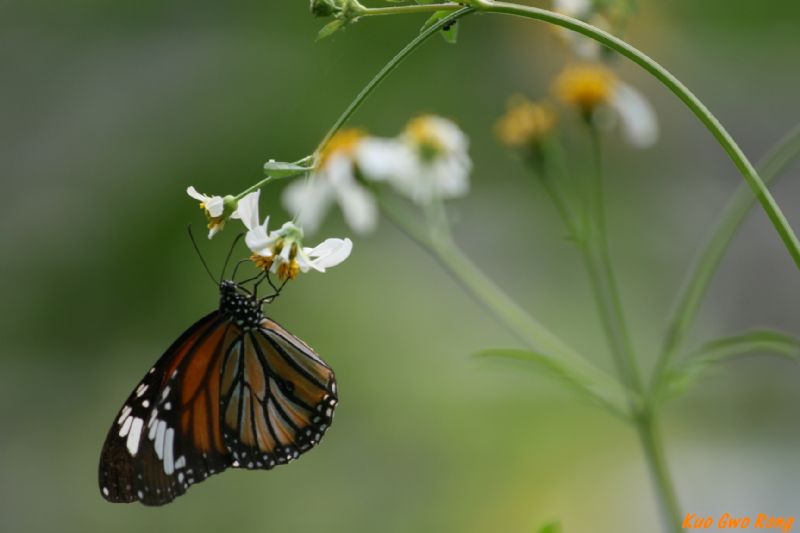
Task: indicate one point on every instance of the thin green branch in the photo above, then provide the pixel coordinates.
(647, 425)
(699, 276)
(388, 69)
(594, 246)
(409, 9)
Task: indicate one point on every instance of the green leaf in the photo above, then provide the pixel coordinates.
(330, 28)
(718, 351)
(279, 169)
(552, 527)
(450, 34)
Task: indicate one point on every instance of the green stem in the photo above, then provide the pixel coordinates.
(598, 261)
(605, 389)
(647, 427)
(699, 276)
(676, 87)
(594, 246)
(409, 9)
(388, 69)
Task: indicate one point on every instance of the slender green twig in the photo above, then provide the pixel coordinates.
(699, 276)
(389, 68)
(409, 9)
(598, 260)
(647, 426)
(594, 246)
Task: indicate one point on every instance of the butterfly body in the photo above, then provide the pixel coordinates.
(235, 390)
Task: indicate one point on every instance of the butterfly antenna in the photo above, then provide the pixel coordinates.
(197, 250)
(230, 253)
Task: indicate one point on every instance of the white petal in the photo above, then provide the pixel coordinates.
(639, 122)
(308, 200)
(247, 210)
(259, 240)
(358, 207)
(191, 191)
(448, 133)
(331, 252)
(215, 206)
(383, 159)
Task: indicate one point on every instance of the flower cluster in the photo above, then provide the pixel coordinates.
(426, 162)
(586, 85)
(280, 251)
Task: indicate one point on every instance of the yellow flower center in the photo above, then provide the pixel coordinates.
(422, 131)
(261, 262)
(343, 142)
(585, 86)
(288, 270)
(525, 122)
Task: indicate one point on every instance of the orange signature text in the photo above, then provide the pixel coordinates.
(728, 521)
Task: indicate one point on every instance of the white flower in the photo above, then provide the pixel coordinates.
(592, 86)
(428, 160)
(214, 209)
(581, 46)
(333, 181)
(636, 115)
(282, 251)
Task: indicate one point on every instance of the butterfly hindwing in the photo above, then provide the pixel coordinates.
(278, 397)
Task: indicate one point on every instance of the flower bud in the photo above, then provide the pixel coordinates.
(325, 8)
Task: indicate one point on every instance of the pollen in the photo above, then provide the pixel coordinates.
(344, 142)
(422, 132)
(525, 122)
(585, 86)
(261, 262)
(288, 270)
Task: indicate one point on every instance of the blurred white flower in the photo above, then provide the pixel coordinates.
(590, 87)
(282, 251)
(428, 160)
(333, 180)
(213, 207)
(583, 47)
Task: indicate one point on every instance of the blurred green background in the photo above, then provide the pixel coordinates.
(109, 110)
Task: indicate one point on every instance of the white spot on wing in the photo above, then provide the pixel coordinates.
(125, 427)
(135, 435)
(126, 410)
(141, 389)
(159, 442)
(169, 465)
(181, 462)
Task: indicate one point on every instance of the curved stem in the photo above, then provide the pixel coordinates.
(699, 277)
(676, 87)
(388, 69)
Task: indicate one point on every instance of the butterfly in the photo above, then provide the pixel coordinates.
(236, 390)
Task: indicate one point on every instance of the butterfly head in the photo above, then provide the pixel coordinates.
(238, 305)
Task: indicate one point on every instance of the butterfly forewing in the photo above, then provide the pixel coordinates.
(236, 389)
